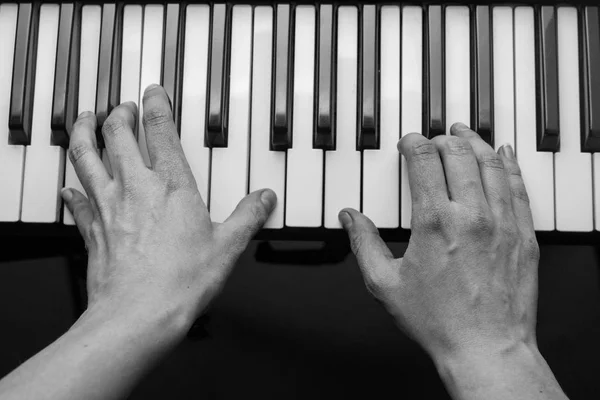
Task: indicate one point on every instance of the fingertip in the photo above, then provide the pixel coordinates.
(131, 106)
(152, 87)
(269, 199)
(345, 218)
(458, 127)
(402, 143)
(67, 194)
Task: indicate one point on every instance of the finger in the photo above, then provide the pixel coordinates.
(519, 197)
(83, 153)
(81, 209)
(425, 171)
(461, 169)
(119, 139)
(247, 219)
(491, 170)
(368, 247)
(164, 147)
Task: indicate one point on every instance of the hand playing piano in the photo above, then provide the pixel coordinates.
(466, 288)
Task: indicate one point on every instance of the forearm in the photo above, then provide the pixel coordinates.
(517, 374)
(102, 356)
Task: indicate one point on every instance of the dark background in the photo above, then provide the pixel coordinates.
(306, 331)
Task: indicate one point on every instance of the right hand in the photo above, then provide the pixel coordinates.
(467, 284)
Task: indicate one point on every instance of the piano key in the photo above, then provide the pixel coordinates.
(44, 163)
(537, 168)
(324, 133)
(21, 101)
(343, 165)
(547, 78)
(458, 61)
(590, 79)
(60, 135)
(482, 121)
(193, 96)
(114, 93)
(151, 64)
(436, 122)
(172, 59)
(412, 94)
(281, 136)
(304, 188)
(368, 133)
(573, 168)
(381, 168)
(73, 80)
(91, 26)
(105, 75)
(229, 173)
(216, 128)
(504, 102)
(11, 156)
(132, 54)
(267, 168)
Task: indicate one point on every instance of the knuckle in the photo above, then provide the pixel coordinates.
(434, 220)
(113, 126)
(79, 152)
(491, 161)
(479, 223)
(457, 146)
(423, 149)
(519, 192)
(532, 248)
(155, 116)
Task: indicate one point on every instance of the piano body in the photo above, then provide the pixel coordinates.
(306, 98)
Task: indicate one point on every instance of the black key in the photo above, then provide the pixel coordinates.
(281, 132)
(114, 97)
(216, 126)
(73, 80)
(105, 63)
(23, 83)
(60, 135)
(324, 137)
(483, 120)
(436, 124)
(590, 79)
(547, 80)
(368, 135)
(173, 58)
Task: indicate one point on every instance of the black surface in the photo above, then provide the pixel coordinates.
(368, 84)
(114, 98)
(324, 136)
(216, 120)
(172, 71)
(282, 96)
(590, 79)
(482, 64)
(547, 79)
(105, 64)
(23, 82)
(434, 81)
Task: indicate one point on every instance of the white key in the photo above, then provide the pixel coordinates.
(229, 181)
(131, 53)
(342, 165)
(88, 78)
(151, 65)
(573, 171)
(458, 66)
(412, 94)
(44, 163)
(11, 157)
(381, 168)
(537, 167)
(304, 197)
(267, 168)
(193, 97)
(504, 96)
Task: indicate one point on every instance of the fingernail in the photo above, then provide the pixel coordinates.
(267, 198)
(152, 86)
(345, 219)
(85, 114)
(460, 126)
(67, 194)
(507, 151)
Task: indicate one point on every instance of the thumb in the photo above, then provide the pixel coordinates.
(248, 218)
(370, 250)
(81, 209)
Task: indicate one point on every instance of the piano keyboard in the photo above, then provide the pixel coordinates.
(309, 100)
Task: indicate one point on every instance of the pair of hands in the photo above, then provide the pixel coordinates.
(465, 290)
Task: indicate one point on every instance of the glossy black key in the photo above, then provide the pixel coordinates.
(23, 82)
(216, 126)
(73, 80)
(368, 134)
(281, 131)
(590, 79)
(483, 116)
(547, 80)
(60, 136)
(436, 124)
(105, 63)
(324, 137)
(114, 96)
(173, 58)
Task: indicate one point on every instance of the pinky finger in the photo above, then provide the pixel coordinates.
(82, 211)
